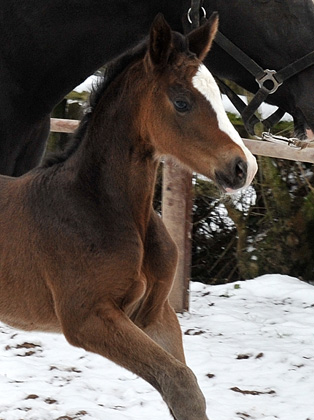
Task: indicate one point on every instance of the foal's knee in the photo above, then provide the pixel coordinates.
(77, 322)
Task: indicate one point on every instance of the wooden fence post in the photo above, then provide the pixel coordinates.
(177, 215)
(177, 203)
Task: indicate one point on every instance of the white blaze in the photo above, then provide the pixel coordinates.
(205, 83)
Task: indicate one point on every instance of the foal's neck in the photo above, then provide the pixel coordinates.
(114, 162)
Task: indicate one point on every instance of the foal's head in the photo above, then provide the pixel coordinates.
(184, 114)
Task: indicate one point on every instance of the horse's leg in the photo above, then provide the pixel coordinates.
(106, 330)
(156, 317)
(163, 327)
(33, 148)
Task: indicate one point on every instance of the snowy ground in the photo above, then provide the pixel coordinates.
(251, 345)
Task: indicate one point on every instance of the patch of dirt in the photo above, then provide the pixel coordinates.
(25, 346)
(249, 392)
(191, 331)
(77, 416)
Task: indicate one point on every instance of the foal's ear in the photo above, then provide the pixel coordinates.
(160, 41)
(200, 40)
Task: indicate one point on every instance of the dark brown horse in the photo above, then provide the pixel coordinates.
(49, 47)
(82, 251)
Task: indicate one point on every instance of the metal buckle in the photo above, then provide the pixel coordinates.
(269, 75)
(189, 14)
(292, 142)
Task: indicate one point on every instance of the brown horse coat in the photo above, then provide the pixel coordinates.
(81, 250)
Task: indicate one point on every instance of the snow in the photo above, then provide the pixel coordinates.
(265, 110)
(87, 85)
(250, 344)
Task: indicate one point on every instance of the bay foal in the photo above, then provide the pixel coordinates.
(82, 251)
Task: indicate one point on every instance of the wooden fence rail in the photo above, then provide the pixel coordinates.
(281, 151)
(58, 125)
(257, 147)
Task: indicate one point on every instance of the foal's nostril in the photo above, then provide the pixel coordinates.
(234, 176)
(240, 169)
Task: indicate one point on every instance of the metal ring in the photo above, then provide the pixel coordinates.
(269, 75)
(189, 14)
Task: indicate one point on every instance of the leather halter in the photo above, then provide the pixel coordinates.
(195, 15)
(268, 80)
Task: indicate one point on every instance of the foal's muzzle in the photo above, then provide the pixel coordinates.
(234, 177)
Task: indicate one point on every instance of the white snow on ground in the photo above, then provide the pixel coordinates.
(250, 344)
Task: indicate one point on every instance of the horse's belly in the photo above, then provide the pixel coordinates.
(22, 323)
(25, 300)
(26, 309)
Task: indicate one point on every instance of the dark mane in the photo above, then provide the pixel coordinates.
(111, 71)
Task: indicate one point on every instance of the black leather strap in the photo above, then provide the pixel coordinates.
(295, 67)
(269, 81)
(238, 55)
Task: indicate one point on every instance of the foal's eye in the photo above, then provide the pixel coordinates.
(181, 106)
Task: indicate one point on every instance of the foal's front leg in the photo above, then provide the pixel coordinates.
(155, 316)
(106, 330)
